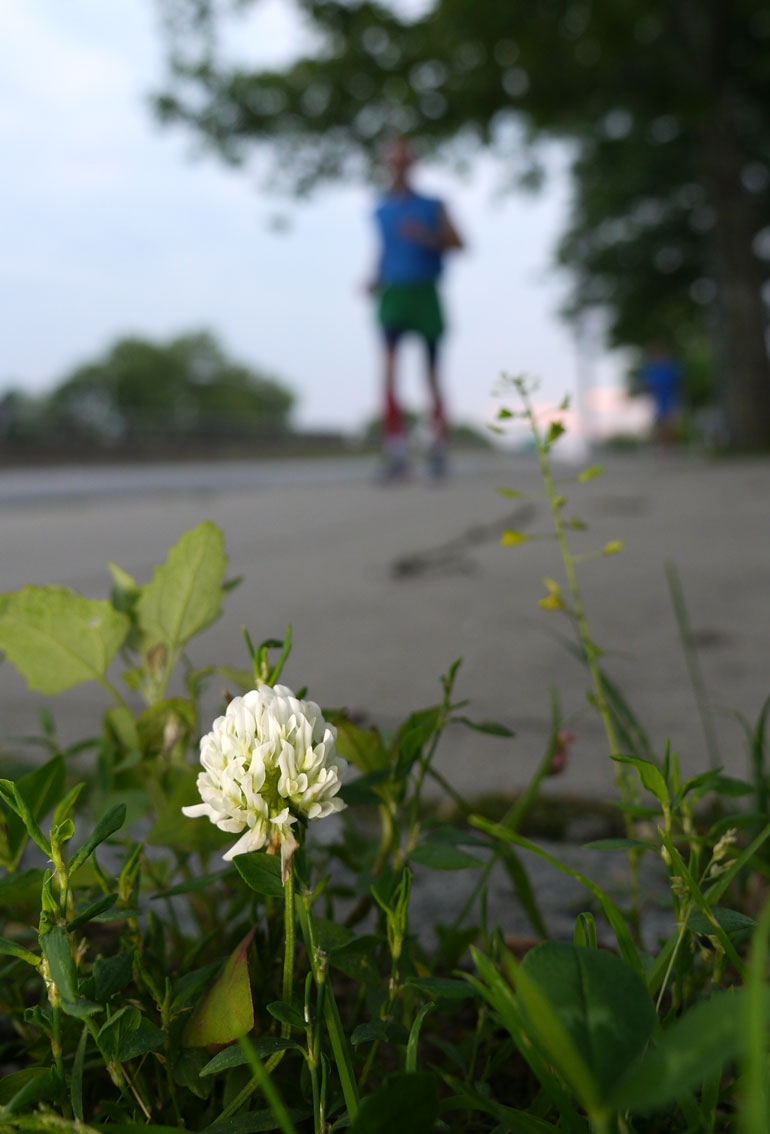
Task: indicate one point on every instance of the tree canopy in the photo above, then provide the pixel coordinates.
(186, 387)
(663, 102)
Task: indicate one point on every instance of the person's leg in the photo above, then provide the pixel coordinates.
(393, 430)
(437, 451)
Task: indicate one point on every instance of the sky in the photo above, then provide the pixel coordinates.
(112, 225)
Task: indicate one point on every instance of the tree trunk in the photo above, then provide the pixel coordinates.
(745, 378)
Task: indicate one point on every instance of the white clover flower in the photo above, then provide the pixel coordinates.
(269, 761)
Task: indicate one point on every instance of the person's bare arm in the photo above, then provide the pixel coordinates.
(449, 237)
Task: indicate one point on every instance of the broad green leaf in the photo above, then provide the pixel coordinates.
(226, 1011)
(57, 639)
(112, 974)
(650, 775)
(56, 949)
(26, 1088)
(406, 1102)
(413, 735)
(261, 872)
(732, 921)
(357, 959)
(286, 1013)
(233, 1056)
(363, 748)
(185, 593)
(603, 1004)
(371, 1031)
(191, 984)
(128, 1034)
(111, 822)
(437, 854)
(701, 1041)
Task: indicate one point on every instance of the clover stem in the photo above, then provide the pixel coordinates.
(288, 956)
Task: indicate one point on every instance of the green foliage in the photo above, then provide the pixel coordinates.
(152, 988)
(146, 392)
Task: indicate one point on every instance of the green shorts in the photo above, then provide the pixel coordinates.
(410, 307)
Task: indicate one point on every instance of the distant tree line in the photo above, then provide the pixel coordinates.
(142, 392)
(662, 103)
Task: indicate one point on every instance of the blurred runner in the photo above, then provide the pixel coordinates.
(415, 233)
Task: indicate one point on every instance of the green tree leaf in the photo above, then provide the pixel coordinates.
(57, 639)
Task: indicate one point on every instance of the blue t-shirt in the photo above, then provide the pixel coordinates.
(404, 259)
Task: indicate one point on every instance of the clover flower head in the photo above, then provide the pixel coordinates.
(269, 761)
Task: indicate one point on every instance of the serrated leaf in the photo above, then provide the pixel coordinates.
(226, 1011)
(185, 593)
(57, 639)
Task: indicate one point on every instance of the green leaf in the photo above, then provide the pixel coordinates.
(233, 1056)
(360, 793)
(491, 728)
(128, 1034)
(357, 959)
(226, 1011)
(191, 983)
(437, 854)
(106, 902)
(111, 822)
(414, 734)
(29, 1089)
(76, 1081)
(590, 473)
(699, 1043)
(371, 1031)
(555, 430)
(112, 974)
(21, 889)
(363, 748)
(602, 1003)
(56, 949)
(406, 1102)
(57, 639)
(732, 921)
(286, 1013)
(185, 593)
(11, 949)
(261, 872)
(650, 775)
(441, 988)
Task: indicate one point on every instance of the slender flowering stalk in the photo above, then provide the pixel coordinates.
(269, 762)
